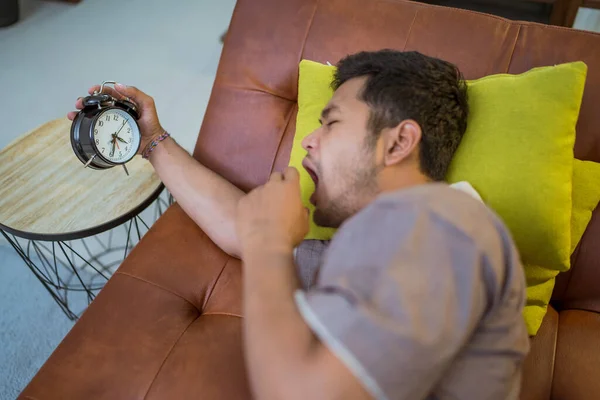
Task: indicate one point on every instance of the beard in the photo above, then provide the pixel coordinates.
(359, 187)
(331, 216)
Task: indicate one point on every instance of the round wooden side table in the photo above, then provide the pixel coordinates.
(50, 203)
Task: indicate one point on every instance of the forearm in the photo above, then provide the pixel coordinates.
(285, 360)
(209, 199)
(278, 342)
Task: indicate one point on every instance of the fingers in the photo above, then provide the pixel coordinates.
(276, 177)
(291, 174)
(121, 91)
(135, 94)
(78, 105)
(117, 93)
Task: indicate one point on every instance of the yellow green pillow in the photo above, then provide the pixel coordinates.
(586, 196)
(314, 92)
(518, 153)
(540, 281)
(520, 126)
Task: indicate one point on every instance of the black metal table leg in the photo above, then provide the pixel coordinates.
(64, 269)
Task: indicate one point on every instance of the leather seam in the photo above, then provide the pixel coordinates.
(222, 313)
(222, 61)
(575, 260)
(289, 118)
(578, 250)
(579, 307)
(234, 87)
(158, 286)
(291, 112)
(167, 357)
(410, 29)
(570, 271)
(310, 24)
(512, 52)
(214, 285)
(554, 349)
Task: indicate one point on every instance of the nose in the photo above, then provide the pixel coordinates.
(311, 141)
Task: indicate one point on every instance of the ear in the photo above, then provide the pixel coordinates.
(401, 142)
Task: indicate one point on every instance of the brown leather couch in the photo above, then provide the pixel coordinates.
(168, 323)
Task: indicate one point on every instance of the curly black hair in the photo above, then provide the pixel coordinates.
(410, 85)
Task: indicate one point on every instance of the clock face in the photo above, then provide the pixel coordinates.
(116, 135)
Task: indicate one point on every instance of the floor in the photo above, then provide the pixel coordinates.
(51, 57)
(588, 19)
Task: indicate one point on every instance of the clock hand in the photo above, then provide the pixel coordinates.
(116, 135)
(119, 131)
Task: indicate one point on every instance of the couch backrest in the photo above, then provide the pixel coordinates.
(250, 120)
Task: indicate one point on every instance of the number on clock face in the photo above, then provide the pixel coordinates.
(116, 135)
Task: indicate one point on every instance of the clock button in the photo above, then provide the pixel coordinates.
(96, 100)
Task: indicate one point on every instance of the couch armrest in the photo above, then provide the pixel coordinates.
(166, 325)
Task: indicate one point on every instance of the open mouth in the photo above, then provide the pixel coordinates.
(313, 175)
(311, 172)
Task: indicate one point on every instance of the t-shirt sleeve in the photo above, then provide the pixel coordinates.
(400, 293)
(307, 257)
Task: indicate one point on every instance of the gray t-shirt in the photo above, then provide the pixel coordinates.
(420, 295)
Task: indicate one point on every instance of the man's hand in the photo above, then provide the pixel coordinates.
(272, 217)
(149, 124)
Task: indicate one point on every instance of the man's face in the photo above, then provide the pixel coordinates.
(340, 160)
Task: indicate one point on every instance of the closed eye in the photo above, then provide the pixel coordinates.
(328, 124)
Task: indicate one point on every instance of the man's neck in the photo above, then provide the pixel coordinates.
(392, 179)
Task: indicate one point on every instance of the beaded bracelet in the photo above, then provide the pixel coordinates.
(152, 145)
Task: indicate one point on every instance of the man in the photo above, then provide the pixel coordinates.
(419, 294)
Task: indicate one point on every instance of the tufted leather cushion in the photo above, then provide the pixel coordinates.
(168, 325)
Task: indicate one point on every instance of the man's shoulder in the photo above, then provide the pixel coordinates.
(436, 206)
(430, 218)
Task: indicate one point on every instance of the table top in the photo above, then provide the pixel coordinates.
(47, 194)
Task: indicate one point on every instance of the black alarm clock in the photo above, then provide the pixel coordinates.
(105, 132)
